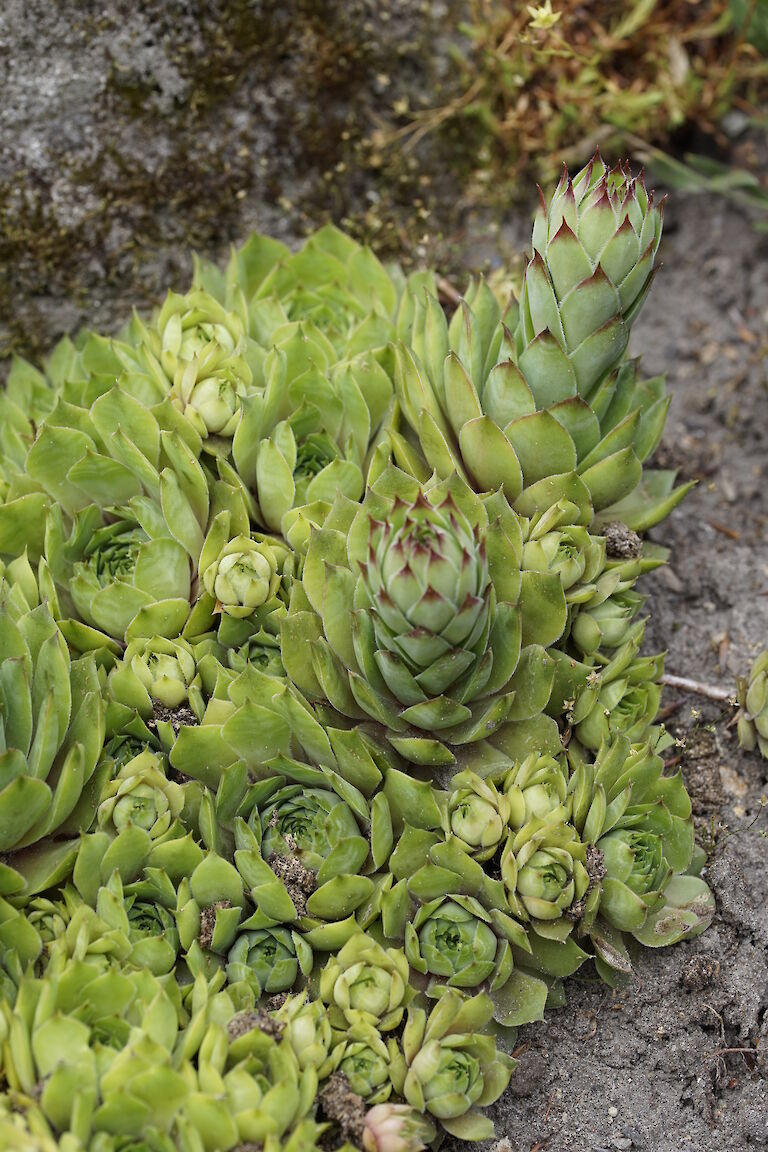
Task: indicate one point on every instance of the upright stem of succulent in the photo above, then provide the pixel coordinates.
(594, 252)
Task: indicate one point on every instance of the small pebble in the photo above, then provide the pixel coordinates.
(613, 1111)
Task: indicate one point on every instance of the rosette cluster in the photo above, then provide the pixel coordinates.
(328, 750)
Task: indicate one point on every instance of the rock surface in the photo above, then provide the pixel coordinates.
(132, 133)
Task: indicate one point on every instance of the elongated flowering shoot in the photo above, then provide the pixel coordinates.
(595, 247)
(550, 411)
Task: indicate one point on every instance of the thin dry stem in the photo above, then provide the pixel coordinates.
(697, 688)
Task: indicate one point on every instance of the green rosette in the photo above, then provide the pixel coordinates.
(444, 631)
(753, 704)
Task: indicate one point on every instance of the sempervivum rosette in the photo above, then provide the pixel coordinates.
(52, 724)
(307, 434)
(543, 868)
(245, 582)
(753, 701)
(477, 815)
(637, 823)
(318, 834)
(121, 580)
(24, 401)
(366, 982)
(332, 281)
(133, 509)
(448, 1067)
(433, 641)
(621, 695)
(200, 353)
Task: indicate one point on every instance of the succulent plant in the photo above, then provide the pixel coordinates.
(453, 938)
(334, 282)
(121, 581)
(543, 867)
(210, 906)
(364, 1058)
(448, 1066)
(639, 823)
(477, 814)
(595, 246)
(621, 695)
(366, 982)
(60, 1025)
(536, 789)
(149, 927)
(463, 934)
(140, 795)
(432, 645)
(156, 671)
(327, 750)
(607, 623)
(28, 1131)
(245, 575)
(306, 436)
(51, 732)
(203, 353)
(305, 1026)
(271, 957)
(261, 650)
(395, 1128)
(753, 703)
(550, 412)
(312, 842)
(307, 823)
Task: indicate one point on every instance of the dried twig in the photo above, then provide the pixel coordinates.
(445, 288)
(697, 688)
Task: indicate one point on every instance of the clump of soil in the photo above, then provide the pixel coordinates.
(208, 922)
(245, 1022)
(621, 543)
(344, 1107)
(178, 718)
(299, 881)
(700, 762)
